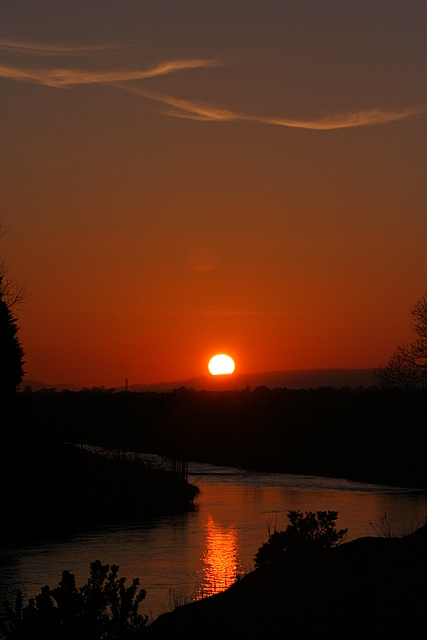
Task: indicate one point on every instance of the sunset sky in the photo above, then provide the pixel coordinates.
(180, 179)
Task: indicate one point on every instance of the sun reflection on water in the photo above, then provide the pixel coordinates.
(220, 558)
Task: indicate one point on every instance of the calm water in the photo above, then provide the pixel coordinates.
(201, 552)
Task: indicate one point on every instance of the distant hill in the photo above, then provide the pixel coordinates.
(291, 379)
(38, 386)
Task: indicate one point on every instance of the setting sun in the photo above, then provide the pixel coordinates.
(221, 364)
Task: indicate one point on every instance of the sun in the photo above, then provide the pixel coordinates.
(221, 364)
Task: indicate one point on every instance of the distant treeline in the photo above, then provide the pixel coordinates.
(371, 434)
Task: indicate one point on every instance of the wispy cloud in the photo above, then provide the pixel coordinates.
(62, 78)
(199, 111)
(366, 118)
(185, 108)
(34, 48)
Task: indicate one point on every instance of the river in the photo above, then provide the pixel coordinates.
(199, 553)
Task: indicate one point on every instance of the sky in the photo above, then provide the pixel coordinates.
(180, 179)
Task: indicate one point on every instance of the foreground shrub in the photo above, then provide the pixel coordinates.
(103, 609)
(305, 533)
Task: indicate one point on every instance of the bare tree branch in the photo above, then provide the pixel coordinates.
(407, 366)
(13, 293)
(401, 371)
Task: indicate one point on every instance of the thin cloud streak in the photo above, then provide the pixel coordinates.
(367, 118)
(190, 110)
(202, 112)
(32, 48)
(196, 111)
(63, 78)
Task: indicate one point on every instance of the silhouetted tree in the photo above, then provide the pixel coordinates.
(407, 366)
(11, 351)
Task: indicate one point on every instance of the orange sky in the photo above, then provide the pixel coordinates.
(180, 179)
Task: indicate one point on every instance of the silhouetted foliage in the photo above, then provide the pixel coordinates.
(103, 609)
(305, 534)
(407, 366)
(11, 351)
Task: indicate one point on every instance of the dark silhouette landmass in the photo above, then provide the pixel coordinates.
(368, 588)
(366, 434)
(60, 489)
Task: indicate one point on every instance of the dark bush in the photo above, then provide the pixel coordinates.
(305, 534)
(103, 609)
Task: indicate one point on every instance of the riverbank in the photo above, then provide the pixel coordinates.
(62, 489)
(368, 588)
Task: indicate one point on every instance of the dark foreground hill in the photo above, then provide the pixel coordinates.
(368, 588)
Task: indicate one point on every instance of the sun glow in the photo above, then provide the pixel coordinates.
(221, 364)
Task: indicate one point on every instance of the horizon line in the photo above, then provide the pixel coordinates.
(26, 382)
